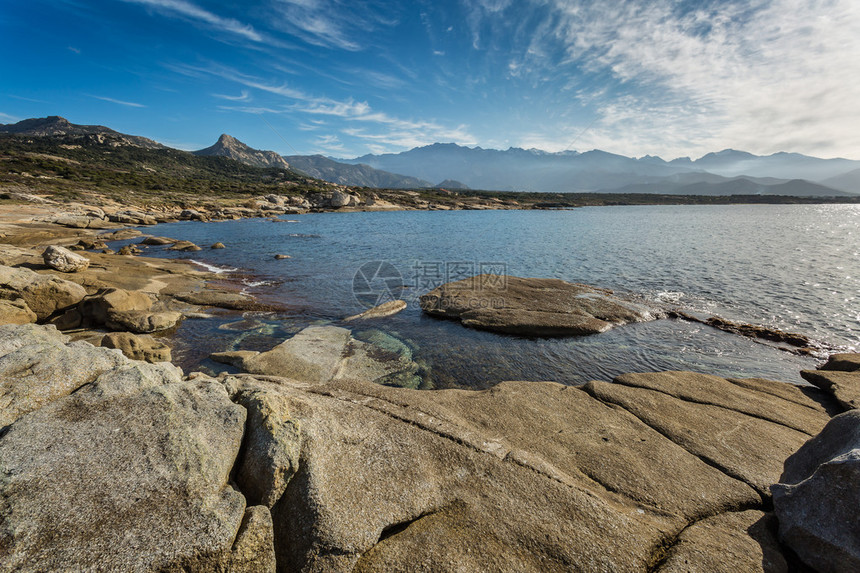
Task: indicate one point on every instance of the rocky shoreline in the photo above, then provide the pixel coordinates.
(108, 462)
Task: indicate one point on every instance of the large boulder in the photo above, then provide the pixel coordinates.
(96, 309)
(143, 322)
(64, 260)
(530, 307)
(340, 199)
(818, 495)
(43, 294)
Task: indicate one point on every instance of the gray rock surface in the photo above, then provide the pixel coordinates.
(530, 307)
(39, 365)
(44, 294)
(138, 481)
(64, 260)
(818, 495)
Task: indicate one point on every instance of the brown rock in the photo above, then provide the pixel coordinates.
(158, 241)
(728, 543)
(141, 321)
(282, 257)
(137, 346)
(843, 362)
(95, 309)
(44, 294)
(844, 386)
(743, 446)
(383, 310)
(129, 250)
(16, 312)
(530, 307)
(218, 246)
(184, 246)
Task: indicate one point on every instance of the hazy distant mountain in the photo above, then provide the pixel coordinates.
(451, 184)
(521, 169)
(229, 146)
(56, 126)
(848, 182)
(732, 163)
(534, 170)
(356, 175)
(721, 186)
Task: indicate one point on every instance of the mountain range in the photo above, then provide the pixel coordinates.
(728, 172)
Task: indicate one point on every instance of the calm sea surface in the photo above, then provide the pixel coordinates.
(796, 268)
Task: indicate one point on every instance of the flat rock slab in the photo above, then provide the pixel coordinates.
(531, 307)
(728, 543)
(366, 491)
(844, 386)
(744, 446)
(848, 362)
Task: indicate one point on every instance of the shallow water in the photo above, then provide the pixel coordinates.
(792, 267)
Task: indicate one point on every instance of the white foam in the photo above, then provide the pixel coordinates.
(214, 268)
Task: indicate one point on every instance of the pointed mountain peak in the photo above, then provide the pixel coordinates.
(229, 146)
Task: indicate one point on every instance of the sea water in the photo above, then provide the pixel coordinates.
(791, 267)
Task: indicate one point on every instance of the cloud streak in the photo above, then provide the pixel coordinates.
(200, 15)
(118, 101)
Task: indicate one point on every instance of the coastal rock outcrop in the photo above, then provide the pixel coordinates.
(845, 386)
(43, 294)
(64, 260)
(16, 311)
(818, 495)
(531, 307)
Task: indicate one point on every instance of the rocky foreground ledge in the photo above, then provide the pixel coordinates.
(107, 463)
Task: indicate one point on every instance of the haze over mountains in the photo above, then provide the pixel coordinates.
(727, 172)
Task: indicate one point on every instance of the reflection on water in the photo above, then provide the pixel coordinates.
(796, 268)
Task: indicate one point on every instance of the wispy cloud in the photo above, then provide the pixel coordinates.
(197, 14)
(6, 118)
(243, 96)
(765, 75)
(334, 23)
(74, 49)
(119, 101)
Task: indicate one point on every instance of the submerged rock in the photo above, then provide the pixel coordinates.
(385, 309)
(183, 246)
(530, 307)
(64, 260)
(320, 354)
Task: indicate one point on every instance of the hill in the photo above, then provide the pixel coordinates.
(56, 126)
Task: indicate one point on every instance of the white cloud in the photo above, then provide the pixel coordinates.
(6, 118)
(764, 76)
(198, 14)
(243, 96)
(119, 101)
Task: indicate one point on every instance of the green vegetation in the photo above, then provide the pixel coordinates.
(75, 167)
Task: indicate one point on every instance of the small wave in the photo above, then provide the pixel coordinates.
(214, 268)
(253, 283)
(305, 236)
(670, 296)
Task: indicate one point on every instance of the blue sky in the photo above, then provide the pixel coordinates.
(345, 78)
